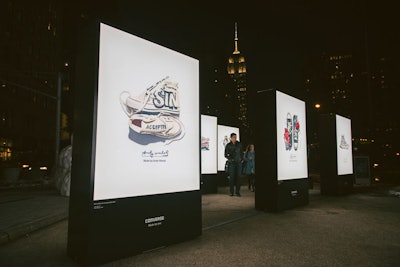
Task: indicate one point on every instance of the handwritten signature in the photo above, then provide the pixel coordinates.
(155, 154)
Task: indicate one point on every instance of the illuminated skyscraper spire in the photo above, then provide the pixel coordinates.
(238, 94)
(236, 41)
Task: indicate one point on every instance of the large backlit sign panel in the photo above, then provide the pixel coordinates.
(224, 133)
(291, 137)
(147, 136)
(208, 144)
(344, 146)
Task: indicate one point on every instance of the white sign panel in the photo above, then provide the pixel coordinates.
(344, 146)
(291, 137)
(224, 134)
(208, 144)
(147, 136)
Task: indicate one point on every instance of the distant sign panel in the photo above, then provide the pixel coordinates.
(208, 144)
(344, 146)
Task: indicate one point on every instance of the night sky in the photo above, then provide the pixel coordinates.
(277, 38)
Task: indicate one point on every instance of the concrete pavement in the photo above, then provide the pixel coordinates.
(24, 211)
(360, 229)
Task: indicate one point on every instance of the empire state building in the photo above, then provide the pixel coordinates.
(237, 72)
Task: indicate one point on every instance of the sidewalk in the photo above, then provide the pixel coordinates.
(359, 229)
(24, 211)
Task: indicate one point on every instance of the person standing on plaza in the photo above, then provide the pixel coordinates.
(249, 168)
(234, 155)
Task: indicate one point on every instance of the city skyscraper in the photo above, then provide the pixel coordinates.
(237, 71)
(333, 83)
(30, 53)
(337, 83)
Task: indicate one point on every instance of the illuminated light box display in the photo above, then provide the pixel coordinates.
(344, 146)
(208, 144)
(336, 154)
(282, 169)
(146, 118)
(209, 159)
(224, 134)
(138, 154)
(291, 137)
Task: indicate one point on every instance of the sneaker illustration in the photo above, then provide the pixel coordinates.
(288, 132)
(160, 97)
(296, 130)
(154, 113)
(164, 126)
(286, 137)
(343, 143)
(205, 143)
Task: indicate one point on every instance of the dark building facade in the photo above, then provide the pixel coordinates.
(31, 59)
(363, 90)
(337, 84)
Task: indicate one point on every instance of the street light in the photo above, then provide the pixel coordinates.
(317, 106)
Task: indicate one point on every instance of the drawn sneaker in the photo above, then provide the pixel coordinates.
(162, 97)
(205, 143)
(296, 130)
(286, 138)
(164, 126)
(288, 132)
(343, 143)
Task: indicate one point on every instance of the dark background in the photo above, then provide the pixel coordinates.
(284, 44)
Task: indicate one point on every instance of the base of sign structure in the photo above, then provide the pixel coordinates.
(209, 183)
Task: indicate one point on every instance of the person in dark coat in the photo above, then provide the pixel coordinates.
(249, 168)
(234, 155)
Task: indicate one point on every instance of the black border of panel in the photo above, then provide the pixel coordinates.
(328, 158)
(292, 193)
(209, 183)
(85, 105)
(266, 160)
